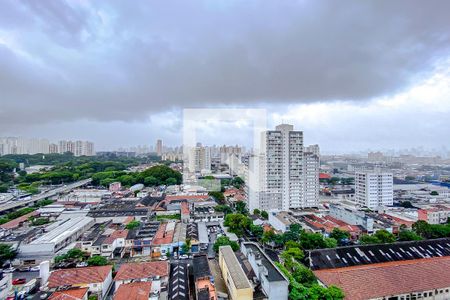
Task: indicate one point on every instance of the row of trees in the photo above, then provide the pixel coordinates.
(154, 176)
(76, 255)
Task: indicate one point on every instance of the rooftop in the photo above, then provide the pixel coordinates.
(17, 221)
(178, 284)
(63, 230)
(77, 276)
(142, 270)
(273, 274)
(201, 267)
(70, 294)
(234, 267)
(133, 291)
(371, 254)
(389, 278)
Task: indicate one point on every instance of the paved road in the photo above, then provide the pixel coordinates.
(42, 196)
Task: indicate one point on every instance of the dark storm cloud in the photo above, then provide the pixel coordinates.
(123, 60)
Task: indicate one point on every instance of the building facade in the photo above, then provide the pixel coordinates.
(374, 189)
(288, 172)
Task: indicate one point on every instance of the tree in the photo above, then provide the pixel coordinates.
(291, 244)
(6, 253)
(223, 241)
(330, 243)
(223, 208)
(97, 261)
(434, 193)
(406, 204)
(268, 237)
(256, 212)
(366, 239)
(218, 196)
(309, 241)
(292, 253)
(240, 207)
(304, 275)
(384, 236)
(256, 230)
(132, 225)
(408, 235)
(186, 248)
(264, 214)
(171, 181)
(237, 223)
(339, 235)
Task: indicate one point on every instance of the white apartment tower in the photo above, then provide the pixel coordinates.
(289, 173)
(374, 189)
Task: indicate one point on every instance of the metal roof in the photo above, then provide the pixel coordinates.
(371, 254)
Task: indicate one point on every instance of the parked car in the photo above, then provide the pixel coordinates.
(19, 281)
(24, 269)
(82, 264)
(163, 258)
(184, 256)
(35, 268)
(9, 270)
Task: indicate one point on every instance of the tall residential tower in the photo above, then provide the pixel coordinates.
(288, 172)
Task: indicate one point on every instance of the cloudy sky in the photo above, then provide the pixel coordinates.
(352, 74)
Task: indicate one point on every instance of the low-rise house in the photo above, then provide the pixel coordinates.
(70, 294)
(96, 279)
(281, 221)
(205, 289)
(237, 283)
(162, 241)
(154, 271)
(135, 291)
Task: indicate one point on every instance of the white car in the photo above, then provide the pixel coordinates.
(163, 258)
(184, 256)
(9, 270)
(35, 268)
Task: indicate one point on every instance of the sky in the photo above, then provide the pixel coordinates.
(352, 75)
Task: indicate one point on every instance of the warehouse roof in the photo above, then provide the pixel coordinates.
(389, 278)
(370, 254)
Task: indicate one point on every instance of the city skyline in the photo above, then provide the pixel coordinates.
(362, 88)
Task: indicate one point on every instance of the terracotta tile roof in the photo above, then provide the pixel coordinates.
(128, 220)
(390, 278)
(72, 294)
(163, 237)
(116, 235)
(133, 291)
(184, 208)
(187, 197)
(142, 270)
(17, 221)
(76, 276)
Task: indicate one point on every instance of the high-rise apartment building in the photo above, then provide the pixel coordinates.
(374, 189)
(77, 148)
(159, 147)
(288, 172)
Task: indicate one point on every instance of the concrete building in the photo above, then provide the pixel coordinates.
(351, 216)
(439, 214)
(273, 282)
(281, 221)
(237, 283)
(58, 236)
(159, 147)
(77, 148)
(199, 159)
(288, 172)
(374, 189)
